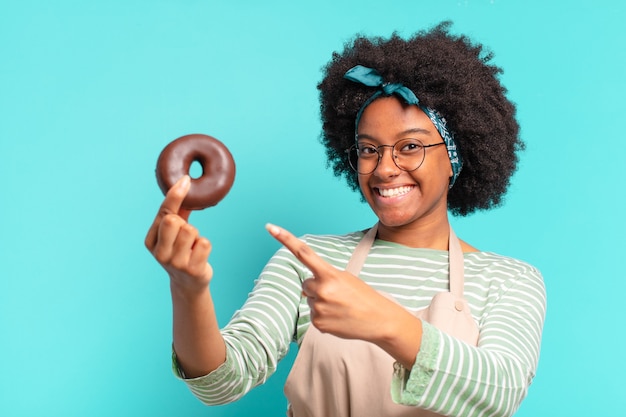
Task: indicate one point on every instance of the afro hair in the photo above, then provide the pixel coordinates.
(448, 73)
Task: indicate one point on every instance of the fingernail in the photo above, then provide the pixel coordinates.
(274, 230)
(184, 183)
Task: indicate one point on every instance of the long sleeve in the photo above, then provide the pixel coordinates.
(453, 378)
(506, 297)
(257, 336)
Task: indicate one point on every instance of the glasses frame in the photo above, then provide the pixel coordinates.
(394, 157)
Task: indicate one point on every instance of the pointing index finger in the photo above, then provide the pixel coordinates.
(301, 250)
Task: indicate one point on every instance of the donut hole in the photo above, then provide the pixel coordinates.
(196, 170)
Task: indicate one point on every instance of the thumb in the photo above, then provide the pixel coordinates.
(175, 197)
(171, 205)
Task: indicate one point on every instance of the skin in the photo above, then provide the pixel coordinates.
(341, 304)
(184, 254)
(419, 217)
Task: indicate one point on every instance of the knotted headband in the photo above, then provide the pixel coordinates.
(371, 78)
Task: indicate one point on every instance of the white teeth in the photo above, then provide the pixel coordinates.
(394, 192)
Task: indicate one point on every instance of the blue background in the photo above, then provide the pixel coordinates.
(90, 92)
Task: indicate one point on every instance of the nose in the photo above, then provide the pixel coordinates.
(386, 164)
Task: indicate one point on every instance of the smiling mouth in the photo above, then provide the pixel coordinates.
(393, 192)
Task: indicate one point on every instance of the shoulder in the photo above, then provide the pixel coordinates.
(504, 272)
(499, 263)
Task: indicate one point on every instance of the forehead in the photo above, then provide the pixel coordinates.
(388, 118)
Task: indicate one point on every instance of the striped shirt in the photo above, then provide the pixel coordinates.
(506, 297)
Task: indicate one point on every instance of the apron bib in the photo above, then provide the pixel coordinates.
(335, 377)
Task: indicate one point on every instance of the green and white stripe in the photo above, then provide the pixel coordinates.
(506, 296)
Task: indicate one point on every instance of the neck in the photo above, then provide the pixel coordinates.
(426, 234)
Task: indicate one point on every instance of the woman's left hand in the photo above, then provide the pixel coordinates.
(341, 304)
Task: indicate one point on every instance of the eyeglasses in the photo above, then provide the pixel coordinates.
(408, 155)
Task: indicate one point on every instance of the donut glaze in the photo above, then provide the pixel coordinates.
(218, 169)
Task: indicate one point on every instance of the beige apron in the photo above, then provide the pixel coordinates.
(335, 377)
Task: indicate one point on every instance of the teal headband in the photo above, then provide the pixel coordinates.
(371, 78)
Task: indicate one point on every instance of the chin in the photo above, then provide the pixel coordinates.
(394, 220)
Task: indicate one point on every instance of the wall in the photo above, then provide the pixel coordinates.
(90, 92)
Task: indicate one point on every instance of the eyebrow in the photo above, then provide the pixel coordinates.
(418, 130)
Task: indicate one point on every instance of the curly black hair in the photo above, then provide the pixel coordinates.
(448, 73)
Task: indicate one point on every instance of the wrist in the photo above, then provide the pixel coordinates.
(182, 291)
(401, 337)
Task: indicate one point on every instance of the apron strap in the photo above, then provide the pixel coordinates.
(455, 256)
(361, 251)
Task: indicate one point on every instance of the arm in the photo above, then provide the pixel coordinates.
(221, 366)
(198, 343)
(258, 335)
(345, 306)
(453, 378)
(436, 371)
(177, 246)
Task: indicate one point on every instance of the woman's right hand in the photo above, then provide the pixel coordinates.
(177, 245)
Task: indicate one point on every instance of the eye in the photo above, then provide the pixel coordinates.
(409, 146)
(367, 151)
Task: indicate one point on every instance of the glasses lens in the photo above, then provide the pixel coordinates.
(409, 154)
(353, 158)
(368, 157)
(362, 162)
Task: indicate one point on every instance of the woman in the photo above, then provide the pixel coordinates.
(421, 127)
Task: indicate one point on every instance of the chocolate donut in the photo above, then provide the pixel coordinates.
(218, 169)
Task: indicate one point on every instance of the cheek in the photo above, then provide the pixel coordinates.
(362, 180)
(436, 170)
(443, 163)
(365, 189)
